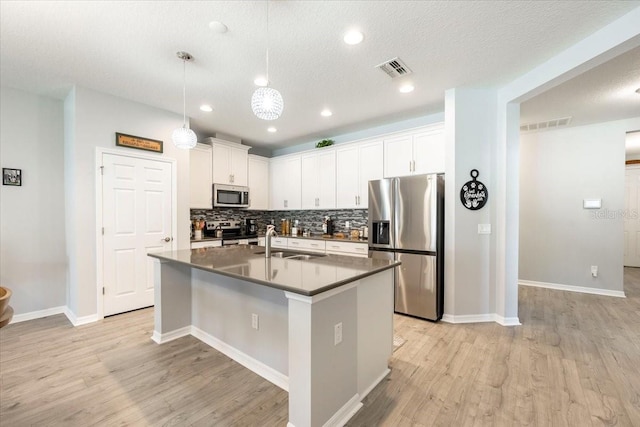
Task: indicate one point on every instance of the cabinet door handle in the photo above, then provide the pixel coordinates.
(356, 200)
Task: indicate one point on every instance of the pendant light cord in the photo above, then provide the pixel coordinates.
(267, 43)
(184, 93)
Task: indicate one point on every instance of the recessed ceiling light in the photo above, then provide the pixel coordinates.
(272, 129)
(218, 27)
(261, 81)
(406, 88)
(353, 37)
(206, 108)
(326, 113)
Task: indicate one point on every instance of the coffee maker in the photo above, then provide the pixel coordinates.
(251, 226)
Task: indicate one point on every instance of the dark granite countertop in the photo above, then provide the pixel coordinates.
(304, 277)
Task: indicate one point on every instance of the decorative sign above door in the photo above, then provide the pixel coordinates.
(124, 140)
(474, 194)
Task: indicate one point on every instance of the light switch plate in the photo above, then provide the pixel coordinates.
(592, 203)
(337, 333)
(484, 228)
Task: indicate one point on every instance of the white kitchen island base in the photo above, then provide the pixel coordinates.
(294, 343)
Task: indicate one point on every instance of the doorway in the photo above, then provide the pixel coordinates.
(632, 200)
(137, 218)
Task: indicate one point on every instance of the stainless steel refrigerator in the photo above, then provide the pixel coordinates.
(406, 223)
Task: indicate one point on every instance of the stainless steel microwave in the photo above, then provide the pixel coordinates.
(230, 196)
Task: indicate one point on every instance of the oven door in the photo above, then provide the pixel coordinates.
(230, 242)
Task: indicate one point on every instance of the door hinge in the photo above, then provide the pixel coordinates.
(103, 231)
(103, 290)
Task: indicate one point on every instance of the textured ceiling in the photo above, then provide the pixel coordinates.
(127, 49)
(604, 93)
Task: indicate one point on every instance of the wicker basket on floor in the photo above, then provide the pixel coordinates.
(6, 312)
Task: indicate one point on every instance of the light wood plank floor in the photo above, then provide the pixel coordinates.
(575, 361)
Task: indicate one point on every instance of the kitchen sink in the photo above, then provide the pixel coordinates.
(302, 256)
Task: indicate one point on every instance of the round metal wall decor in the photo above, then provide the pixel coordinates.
(474, 194)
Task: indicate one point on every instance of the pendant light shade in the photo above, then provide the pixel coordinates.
(184, 137)
(266, 102)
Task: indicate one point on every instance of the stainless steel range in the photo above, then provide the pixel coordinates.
(233, 233)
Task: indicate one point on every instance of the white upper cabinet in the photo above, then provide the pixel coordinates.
(285, 182)
(319, 179)
(415, 153)
(200, 178)
(356, 165)
(230, 161)
(258, 182)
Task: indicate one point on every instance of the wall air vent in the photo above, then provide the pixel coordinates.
(549, 124)
(394, 68)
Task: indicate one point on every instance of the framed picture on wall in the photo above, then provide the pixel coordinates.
(11, 176)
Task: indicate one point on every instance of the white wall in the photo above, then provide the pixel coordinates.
(470, 132)
(96, 117)
(559, 240)
(32, 229)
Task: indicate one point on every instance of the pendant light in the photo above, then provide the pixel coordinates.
(266, 102)
(184, 137)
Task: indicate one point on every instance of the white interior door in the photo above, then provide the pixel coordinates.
(632, 217)
(136, 215)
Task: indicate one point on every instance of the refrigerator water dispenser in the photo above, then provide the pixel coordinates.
(380, 234)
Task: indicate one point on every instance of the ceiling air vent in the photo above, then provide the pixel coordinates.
(394, 68)
(549, 124)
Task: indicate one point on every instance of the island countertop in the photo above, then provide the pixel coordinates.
(304, 277)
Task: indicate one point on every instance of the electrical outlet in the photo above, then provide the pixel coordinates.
(254, 321)
(347, 224)
(594, 271)
(337, 333)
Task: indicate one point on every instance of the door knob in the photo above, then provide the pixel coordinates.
(167, 239)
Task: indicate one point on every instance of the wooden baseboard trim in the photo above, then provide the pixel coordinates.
(571, 288)
(38, 314)
(375, 383)
(242, 358)
(345, 413)
(78, 321)
(481, 318)
(159, 338)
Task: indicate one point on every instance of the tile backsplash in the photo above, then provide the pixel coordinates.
(309, 219)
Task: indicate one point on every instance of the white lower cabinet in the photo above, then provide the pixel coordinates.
(319, 246)
(348, 248)
(206, 244)
(307, 245)
(279, 242)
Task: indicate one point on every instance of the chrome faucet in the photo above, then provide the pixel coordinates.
(271, 232)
